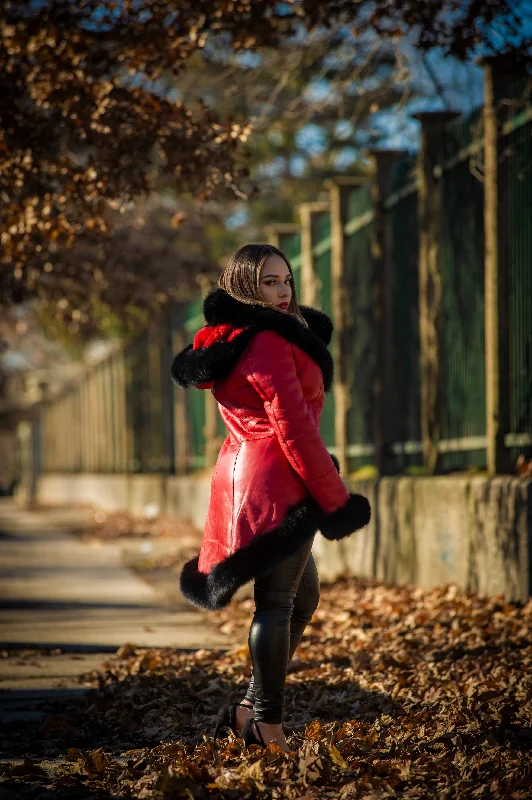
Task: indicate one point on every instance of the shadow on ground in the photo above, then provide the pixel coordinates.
(178, 703)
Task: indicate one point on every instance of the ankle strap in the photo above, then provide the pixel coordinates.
(258, 731)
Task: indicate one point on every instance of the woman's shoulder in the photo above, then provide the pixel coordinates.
(267, 336)
(266, 348)
(268, 341)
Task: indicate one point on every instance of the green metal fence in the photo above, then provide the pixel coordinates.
(195, 399)
(124, 411)
(463, 349)
(404, 408)
(321, 252)
(290, 244)
(519, 224)
(361, 371)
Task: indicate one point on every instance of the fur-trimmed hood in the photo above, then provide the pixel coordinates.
(202, 366)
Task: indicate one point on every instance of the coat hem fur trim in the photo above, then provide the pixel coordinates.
(215, 590)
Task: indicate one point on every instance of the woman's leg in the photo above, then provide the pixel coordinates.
(271, 638)
(306, 602)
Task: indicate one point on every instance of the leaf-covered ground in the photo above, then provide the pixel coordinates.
(395, 692)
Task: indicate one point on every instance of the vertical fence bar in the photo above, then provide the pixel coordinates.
(89, 436)
(50, 418)
(121, 412)
(97, 412)
(309, 282)
(430, 281)
(111, 382)
(104, 427)
(463, 442)
(82, 425)
(276, 230)
(125, 379)
(402, 219)
(68, 432)
(339, 191)
(195, 398)
(382, 162)
(110, 445)
(167, 419)
(77, 424)
(495, 273)
(211, 437)
(154, 399)
(518, 150)
(58, 438)
(361, 366)
(181, 424)
(102, 419)
(71, 431)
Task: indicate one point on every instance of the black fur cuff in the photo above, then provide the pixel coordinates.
(335, 462)
(347, 519)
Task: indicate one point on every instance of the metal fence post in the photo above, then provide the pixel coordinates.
(382, 162)
(496, 271)
(179, 410)
(210, 431)
(430, 280)
(339, 189)
(309, 288)
(276, 230)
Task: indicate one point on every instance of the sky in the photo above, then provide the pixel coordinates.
(439, 83)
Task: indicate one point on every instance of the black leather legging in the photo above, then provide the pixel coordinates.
(285, 600)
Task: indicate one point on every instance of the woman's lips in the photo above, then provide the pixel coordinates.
(283, 305)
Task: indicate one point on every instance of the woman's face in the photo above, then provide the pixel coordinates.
(276, 282)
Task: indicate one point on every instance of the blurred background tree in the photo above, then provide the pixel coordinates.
(140, 142)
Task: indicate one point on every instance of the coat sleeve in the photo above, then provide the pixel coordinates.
(272, 372)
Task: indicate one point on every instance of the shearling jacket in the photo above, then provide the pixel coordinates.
(274, 483)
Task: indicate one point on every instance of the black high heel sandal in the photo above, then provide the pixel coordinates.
(227, 718)
(248, 734)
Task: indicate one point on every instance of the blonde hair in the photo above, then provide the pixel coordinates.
(241, 277)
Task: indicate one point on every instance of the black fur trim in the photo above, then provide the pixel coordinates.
(319, 322)
(219, 306)
(215, 590)
(192, 367)
(215, 362)
(335, 462)
(339, 524)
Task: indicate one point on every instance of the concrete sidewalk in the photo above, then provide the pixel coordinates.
(58, 592)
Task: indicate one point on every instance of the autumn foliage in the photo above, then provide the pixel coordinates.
(394, 693)
(92, 113)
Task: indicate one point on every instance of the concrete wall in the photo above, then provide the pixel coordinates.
(472, 531)
(427, 531)
(185, 496)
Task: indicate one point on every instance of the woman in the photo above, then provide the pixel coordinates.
(274, 485)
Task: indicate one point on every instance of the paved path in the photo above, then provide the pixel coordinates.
(58, 592)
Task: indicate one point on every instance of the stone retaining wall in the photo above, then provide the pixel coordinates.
(473, 531)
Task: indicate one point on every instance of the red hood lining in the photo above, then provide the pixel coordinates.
(224, 331)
